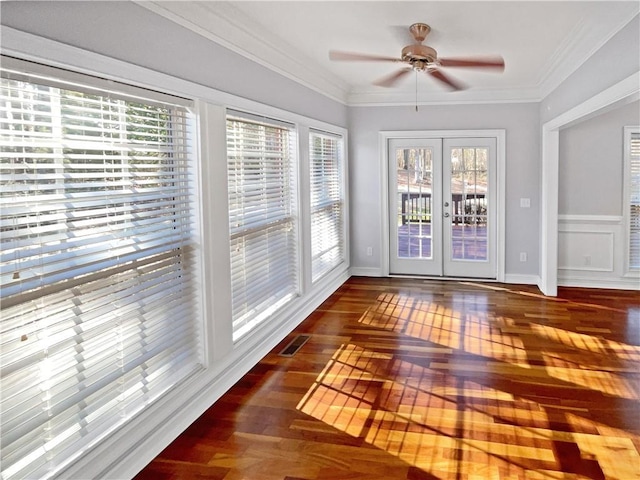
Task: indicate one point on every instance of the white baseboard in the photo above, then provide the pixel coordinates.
(604, 283)
(517, 278)
(365, 272)
(521, 279)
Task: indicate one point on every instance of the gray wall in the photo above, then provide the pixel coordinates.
(613, 62)
(161, 45)
(151, 41)
(591, 163)
(521, 122)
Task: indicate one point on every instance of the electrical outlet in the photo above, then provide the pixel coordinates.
(525, 203)
(523, 256)
(369, 251)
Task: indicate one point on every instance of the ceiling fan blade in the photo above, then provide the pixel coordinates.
(445, 79)
(364, 57)
(481, 62)
(390, 80)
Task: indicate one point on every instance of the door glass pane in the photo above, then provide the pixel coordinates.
(469, 175)
(414, 180)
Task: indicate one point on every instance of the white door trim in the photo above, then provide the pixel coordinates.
(625, 91)
(498, 134)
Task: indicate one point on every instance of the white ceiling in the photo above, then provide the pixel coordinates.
(542, 42)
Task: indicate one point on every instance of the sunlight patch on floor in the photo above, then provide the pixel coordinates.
(417, 420)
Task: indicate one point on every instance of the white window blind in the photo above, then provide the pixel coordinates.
(632, 146)
(327, 203)
(98, 299)
(261, 218)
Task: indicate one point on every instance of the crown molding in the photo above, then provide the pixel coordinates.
(559, 65)
(570, 56)
(225, 25)
(464, 97)
(229, 27)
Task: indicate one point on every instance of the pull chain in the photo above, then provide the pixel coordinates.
(416, 90)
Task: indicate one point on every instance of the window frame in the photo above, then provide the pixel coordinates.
(341, 202)
(242, 325)
(124, 96)
(628, 133)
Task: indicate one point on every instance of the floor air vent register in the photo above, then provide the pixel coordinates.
(294, 345)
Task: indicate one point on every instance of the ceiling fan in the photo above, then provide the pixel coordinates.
(421, 58)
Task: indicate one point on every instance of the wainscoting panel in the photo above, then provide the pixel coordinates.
(591, 252)
(588, 251)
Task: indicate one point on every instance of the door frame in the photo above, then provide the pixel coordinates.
(383, 148)
(621, 93)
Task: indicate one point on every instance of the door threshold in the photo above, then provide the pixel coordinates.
(435, 277)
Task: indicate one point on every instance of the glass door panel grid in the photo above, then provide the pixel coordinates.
(415, 177)
(469, 175)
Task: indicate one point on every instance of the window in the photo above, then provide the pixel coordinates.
(98, 283)
(632, 195)
(263, 228)
(327, 203)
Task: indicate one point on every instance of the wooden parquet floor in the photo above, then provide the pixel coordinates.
(425, 380)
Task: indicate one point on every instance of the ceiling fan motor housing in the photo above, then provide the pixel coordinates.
(419, 56)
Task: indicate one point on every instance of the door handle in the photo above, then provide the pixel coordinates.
(446, 214)
(446, 204)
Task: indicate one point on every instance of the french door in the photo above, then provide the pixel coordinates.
(442, 207)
